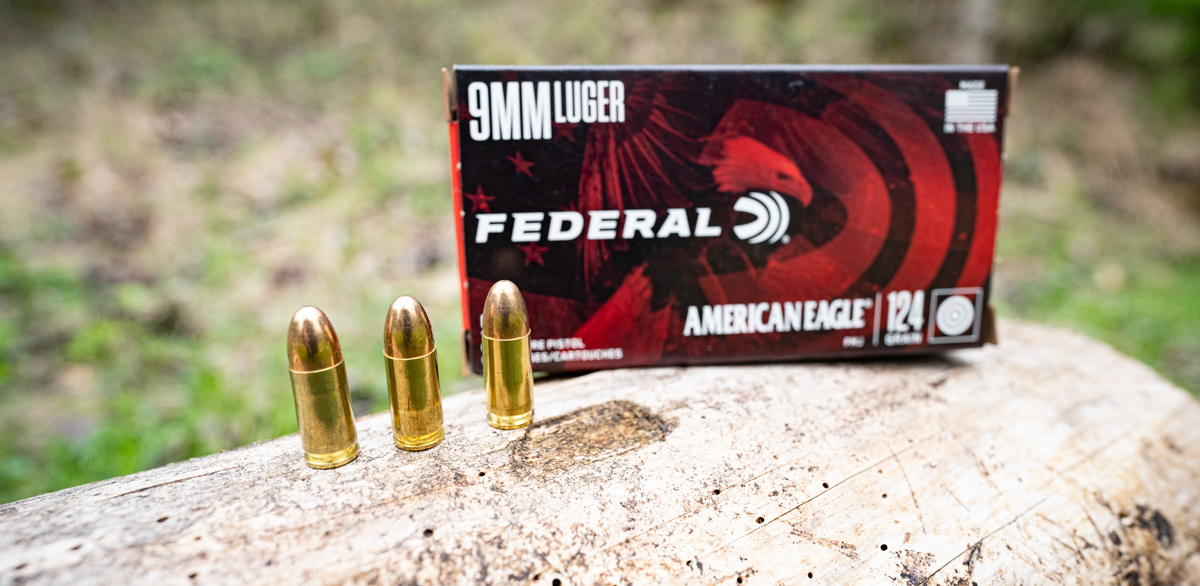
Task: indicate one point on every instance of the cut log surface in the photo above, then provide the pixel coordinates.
(1050, 459)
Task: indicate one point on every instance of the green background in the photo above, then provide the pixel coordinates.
(177, 178)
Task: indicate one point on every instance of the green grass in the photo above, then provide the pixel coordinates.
(128, 423)
(180, 177)
(1095, 273)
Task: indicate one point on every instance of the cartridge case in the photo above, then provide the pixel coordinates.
(320, 391)
(414, 391)
(507, 367)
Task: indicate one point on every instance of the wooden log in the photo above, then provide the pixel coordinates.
(1048, 459)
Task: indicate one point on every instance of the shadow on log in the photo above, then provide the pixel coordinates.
(1049, 459)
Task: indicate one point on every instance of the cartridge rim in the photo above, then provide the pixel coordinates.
(332, 459)
(510, 421)
(416, 444)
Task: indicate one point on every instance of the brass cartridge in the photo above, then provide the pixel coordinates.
(412, 375)
(320, 390)
(507, 367)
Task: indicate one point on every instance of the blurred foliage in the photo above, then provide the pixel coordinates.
(180, 177)
(113, 331)
(1157, 39)
(1066, 268)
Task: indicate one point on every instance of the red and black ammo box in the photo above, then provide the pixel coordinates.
(699, 215)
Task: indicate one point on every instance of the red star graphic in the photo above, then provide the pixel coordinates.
(523, 166)
(565, 130)
(533, 253)
(479, 201)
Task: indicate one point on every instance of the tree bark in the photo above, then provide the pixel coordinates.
(1048, 459)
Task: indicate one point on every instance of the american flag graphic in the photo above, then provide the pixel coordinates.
(971, 105)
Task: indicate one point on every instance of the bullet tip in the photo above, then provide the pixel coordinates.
(504, 314)
(312, 343)
(407, 333)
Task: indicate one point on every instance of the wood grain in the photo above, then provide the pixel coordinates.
(1048, 459)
